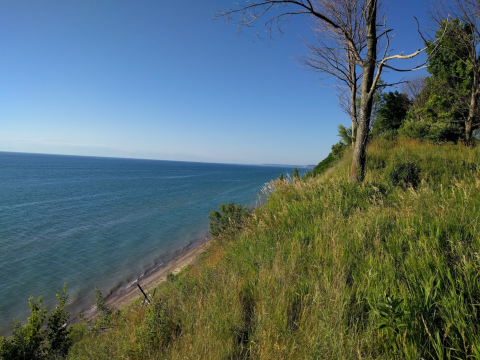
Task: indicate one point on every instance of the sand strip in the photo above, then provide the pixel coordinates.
(149, 282)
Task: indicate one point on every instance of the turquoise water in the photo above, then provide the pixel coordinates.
(103, 222)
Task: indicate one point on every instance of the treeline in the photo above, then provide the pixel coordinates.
(442, 107)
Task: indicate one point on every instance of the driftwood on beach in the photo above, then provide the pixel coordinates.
(143, 292)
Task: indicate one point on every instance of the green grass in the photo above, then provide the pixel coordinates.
(311, 273)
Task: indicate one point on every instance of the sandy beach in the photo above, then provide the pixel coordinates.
(125, 296)
(149, 282)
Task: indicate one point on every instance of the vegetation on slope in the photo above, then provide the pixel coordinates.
(328, 269)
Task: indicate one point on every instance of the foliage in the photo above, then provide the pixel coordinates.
(345, 134)
(104, 319)
(171, 277)
(390, 318)
(447, 95)
(58, 333)
(449, 60)
(432, 130)
(403, 171)
(296, 175)
(31, 342)
(391, 113)
(229, 218)
(281, 177)
(322, 166)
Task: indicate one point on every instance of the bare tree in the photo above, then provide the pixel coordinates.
(413, 87)
(468, 12)
(277, 13)
(332, 56)
(417, 91)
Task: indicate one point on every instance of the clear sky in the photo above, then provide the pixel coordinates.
(160, 80)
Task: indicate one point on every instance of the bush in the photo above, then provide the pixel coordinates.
(30, 342)
(338, 150)
(296, 175)
(437, 132)
(403, 171)
(105, 312)
(170, 277)
(230, 218)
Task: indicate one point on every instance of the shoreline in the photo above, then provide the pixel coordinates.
(173, 263)
(149, 281)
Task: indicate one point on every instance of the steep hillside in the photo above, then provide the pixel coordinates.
(328, 270)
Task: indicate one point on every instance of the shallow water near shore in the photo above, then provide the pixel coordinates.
(103, 222)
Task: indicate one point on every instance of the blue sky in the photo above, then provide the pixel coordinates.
(161, 80)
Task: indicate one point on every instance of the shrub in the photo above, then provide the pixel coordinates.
(296, 175)
(58, 335)
(159, 327)
(170, 277)
(105, 312)
(30, 342)
(338, 150)
(437, 132)
(229, 218)
(403, 171)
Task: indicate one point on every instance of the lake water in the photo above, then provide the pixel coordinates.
(103, 222)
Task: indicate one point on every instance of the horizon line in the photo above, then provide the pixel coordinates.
(133, 158)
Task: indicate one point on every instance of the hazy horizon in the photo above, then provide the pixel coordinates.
(161, 80)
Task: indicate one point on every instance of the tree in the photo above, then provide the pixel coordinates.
(441, 107)
(376, 102)
(332, 15)
(58, 333)
(229, 218)
(332, 56)
(346, 134)
(391, 113)
(31, 342)
(296, 175)
(418, 93)
(458, 61)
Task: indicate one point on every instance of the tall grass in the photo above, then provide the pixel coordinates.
(311, 273)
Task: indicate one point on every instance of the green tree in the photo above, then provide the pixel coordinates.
(391, 113)
(27, 341)
(58, 333)
(105, 312)
(229, 218)
(453, 85)
(296, 175)
(345, 134)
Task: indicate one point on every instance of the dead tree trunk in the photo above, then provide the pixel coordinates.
(349, 31)
(357, 172)
(353, 107)
(472, 110)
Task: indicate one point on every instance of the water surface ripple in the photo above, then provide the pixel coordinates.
(102, 222)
